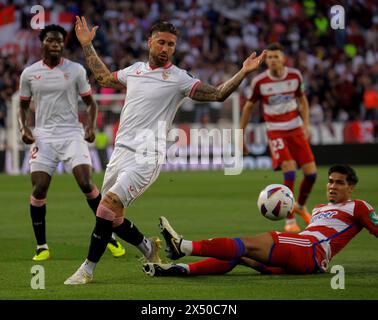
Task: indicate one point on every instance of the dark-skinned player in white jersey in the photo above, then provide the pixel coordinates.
(55, 83)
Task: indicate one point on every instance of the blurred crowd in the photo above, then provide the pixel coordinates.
(340, 67)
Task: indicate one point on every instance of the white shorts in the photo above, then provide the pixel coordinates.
(45, 156)
(127, 177)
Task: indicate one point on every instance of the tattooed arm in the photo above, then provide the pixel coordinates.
(206, 92)
(98, 68)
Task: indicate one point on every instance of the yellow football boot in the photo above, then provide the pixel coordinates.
(116, 248)
(42, 254)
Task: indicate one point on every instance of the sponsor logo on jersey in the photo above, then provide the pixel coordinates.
(279, 99)
(37, 77)
(323, 215)
(374, 218)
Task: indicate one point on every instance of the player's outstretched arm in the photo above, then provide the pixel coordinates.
(99, 69)
(206, 92)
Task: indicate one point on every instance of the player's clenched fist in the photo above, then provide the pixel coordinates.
(89, 134)
(26, 135)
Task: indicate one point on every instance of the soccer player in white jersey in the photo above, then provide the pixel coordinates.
(286, 114)
(155, 90)
(55, 83)
(331, 228)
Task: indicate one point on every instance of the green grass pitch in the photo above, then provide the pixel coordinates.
(199, 205)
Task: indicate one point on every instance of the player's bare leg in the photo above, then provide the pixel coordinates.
(289, 168)
(40, 182)
(83, 176)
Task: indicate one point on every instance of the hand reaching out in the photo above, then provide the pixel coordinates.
(83, 34)
(252, 62)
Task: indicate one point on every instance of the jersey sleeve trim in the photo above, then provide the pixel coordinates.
(115, 75)
(88, 93)
(194, 88)
(116, 78)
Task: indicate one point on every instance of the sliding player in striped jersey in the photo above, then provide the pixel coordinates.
(55, 84)
(285, 110)
(331, 228)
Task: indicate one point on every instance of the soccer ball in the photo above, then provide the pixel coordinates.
(275, 202)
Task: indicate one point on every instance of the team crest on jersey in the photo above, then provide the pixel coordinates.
(165, 75)
(374, 218)
(324, 265)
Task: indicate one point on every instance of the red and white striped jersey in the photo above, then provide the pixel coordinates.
(335, 224)
(278, 97)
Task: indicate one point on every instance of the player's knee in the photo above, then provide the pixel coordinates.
(289, 165)
(112, 202)
(39, 191)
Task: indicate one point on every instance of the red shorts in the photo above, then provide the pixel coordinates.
(296, 253)
(289, 145)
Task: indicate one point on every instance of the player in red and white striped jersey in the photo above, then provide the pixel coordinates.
(286, 114)
(332, 226)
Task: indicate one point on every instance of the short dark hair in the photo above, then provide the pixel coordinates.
(163, 26)
(275, 46)
(347, 170)
(52, 27)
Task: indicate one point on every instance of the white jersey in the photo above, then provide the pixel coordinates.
(55, 93)
(152, 100)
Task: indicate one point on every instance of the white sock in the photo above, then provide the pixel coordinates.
(88, 266)
(42, 246)
(185, 266)
(186, 247)
(145, 247)
(113, 236)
